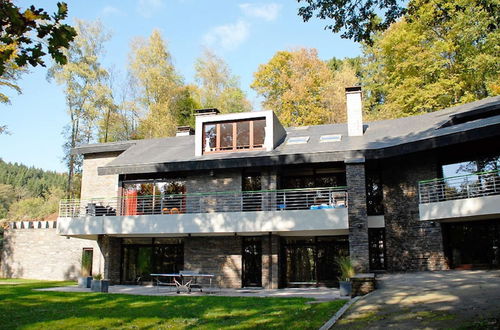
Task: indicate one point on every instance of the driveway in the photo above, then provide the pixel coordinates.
(429, 300)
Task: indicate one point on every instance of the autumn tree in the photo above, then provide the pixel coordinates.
(26, 36)
(86, 90)
(301, 89)
(217, 86)
(157, 86)
(442, 54)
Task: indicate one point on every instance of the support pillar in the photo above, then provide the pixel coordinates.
(358, 219)
(111, 252)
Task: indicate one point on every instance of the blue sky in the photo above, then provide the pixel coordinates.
(244, 33)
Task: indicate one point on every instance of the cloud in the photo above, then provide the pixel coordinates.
(268, 11)
(229, 36)
(111, 11)
(148, 8)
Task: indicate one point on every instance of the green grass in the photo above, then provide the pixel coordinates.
(21, 307)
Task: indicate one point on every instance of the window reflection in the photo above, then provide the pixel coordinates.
(234, 136)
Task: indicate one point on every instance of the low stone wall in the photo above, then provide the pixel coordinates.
(34, 250)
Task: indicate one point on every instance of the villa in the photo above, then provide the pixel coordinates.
(260, 205)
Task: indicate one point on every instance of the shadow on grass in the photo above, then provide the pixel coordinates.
(22, 307)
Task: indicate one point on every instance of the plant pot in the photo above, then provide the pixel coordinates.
(345, 288)
(82, 282)
(88, 284)
(99, 285)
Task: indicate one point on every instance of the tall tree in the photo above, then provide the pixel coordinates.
(441, 54)
(301, 89)
(157, 85)
(217, 86)
(86, 90)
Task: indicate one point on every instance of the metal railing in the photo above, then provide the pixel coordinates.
(232, 201)
(458, 187)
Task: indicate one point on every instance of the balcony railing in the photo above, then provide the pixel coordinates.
(233, 201)
(458, 187)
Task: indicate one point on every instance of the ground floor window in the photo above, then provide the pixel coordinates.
(472, 244)
(144, 256)
(87, 258)
(307, 261)
(376, 241)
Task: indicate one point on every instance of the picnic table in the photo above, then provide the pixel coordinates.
(183, 280)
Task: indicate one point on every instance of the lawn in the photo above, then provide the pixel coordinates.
(21, 307)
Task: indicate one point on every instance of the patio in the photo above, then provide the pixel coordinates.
(319, 294)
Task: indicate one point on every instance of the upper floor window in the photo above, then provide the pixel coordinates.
(234, 136)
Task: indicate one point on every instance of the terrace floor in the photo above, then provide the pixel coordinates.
(319, 294)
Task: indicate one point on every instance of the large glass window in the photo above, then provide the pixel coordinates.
(234, 136)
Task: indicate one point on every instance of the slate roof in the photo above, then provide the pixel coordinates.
(381, 139)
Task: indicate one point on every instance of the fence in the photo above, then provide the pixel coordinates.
(233, 201)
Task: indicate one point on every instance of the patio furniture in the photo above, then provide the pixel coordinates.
(184, 280)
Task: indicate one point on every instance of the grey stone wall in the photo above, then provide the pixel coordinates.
(111, 251)
(412, 244)
(270, 258)
(94, 185)
(209, 182)
(40, 253)
(358, 219)
(220, 256)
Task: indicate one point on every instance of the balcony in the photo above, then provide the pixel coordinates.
(468, 196)
(217, 212)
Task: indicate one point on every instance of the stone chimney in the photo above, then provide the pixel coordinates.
(354, 111)
(184, 131)
(205, 112)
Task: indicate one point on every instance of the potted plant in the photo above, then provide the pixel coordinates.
(85, 280)
(346, 272)
(98, 284)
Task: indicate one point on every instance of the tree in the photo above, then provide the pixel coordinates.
(17, 35)
(301, 89)
(359, 20)
(87, 93)
(217, 86)
(441, 54)
(157, 86)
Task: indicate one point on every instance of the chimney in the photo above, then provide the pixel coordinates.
(205, 112)
(354, 111)
(184, 131)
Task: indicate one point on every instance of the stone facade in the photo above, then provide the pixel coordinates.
(94, 185)
(270, 259)
(111, 251)
(220, 256)
(358, 219)
(40, 253)
(411, 244)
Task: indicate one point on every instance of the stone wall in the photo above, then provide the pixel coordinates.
(111, 249)
(270, 259)
(94, 185)
(220, 256)
(412, 244)
(358, 219)
(40, 253)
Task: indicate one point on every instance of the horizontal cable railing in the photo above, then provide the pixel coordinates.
(459, 187)
(232, 201)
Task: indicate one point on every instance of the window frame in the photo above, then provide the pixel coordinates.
(235, 147)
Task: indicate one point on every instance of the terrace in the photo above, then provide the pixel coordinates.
(221, 212)
(471, 195)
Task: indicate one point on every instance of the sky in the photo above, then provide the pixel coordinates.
(244, 33)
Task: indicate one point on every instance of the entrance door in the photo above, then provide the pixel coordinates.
(87, 257)
(252, 262)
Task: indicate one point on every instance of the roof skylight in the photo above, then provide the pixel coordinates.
(330, 138)
(298, 140)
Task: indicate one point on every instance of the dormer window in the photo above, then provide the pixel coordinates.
(229, 136)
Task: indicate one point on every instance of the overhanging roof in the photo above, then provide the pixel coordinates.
(382, 139)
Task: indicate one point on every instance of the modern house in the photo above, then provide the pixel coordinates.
(257, 204)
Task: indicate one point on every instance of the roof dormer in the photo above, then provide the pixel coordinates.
(234, 132)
